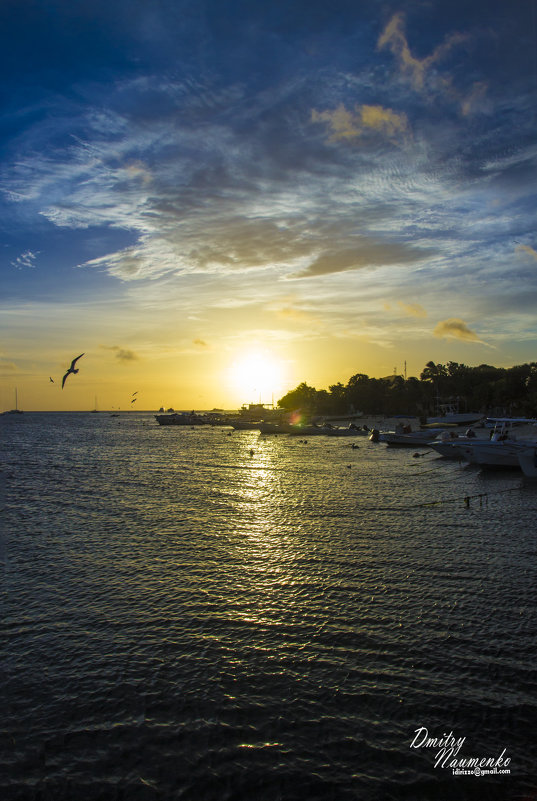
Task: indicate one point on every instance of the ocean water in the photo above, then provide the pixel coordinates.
(185, 619)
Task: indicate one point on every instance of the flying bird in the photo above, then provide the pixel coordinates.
(51, 380)
(71, 368)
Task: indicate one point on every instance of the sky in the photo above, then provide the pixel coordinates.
(215, 200)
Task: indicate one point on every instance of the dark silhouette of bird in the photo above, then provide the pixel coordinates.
(71, 368)
(51, 380)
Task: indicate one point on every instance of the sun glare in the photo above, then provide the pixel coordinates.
(256, 377)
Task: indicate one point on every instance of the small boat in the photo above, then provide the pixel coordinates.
(449, 442)
(252, 416)
(246, 425)
(404, 436)
(181, 419)
(448, 414)
(496, 453)
(463, 447)
(503, 447)
(16, 410)
(493, 454)
(451, 449)
(312, 430)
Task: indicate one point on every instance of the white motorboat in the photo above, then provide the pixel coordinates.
(448, 414)
(509, 433)
(502, 450)
(494, 453)
(448, 444)
(403, 436)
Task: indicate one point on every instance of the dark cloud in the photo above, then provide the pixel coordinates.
(456, 329)
(365, 254)
(122, 354)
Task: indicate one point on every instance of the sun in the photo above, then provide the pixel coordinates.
(256, 376)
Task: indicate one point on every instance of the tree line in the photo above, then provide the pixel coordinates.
(508, 391)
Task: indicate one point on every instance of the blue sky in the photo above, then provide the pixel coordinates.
(325, 188)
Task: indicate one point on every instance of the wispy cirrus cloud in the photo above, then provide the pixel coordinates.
(412, 309)
(240, 189)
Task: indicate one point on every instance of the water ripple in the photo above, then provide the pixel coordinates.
(187, 620)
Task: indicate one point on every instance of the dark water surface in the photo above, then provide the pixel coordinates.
(185, 620)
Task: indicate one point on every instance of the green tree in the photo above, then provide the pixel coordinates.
(303, 398)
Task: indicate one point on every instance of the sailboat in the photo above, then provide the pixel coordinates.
(16, 410)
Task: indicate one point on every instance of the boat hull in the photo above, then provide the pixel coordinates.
(309, 431)
(413, 439)
(496, 454)
(457, 419)
(449, 450)
(527, 460)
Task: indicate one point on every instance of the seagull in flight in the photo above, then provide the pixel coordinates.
(71, 368)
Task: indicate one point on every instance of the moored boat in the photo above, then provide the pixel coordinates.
(312, 430)
(404, 436)
(495, 453)
(503, 447)
(181, 419)
(480, 448)
(449, 414)
(16, 410)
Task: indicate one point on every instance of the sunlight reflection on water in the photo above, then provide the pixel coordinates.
(276, 623)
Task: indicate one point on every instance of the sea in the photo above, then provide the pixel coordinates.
(205, 614)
